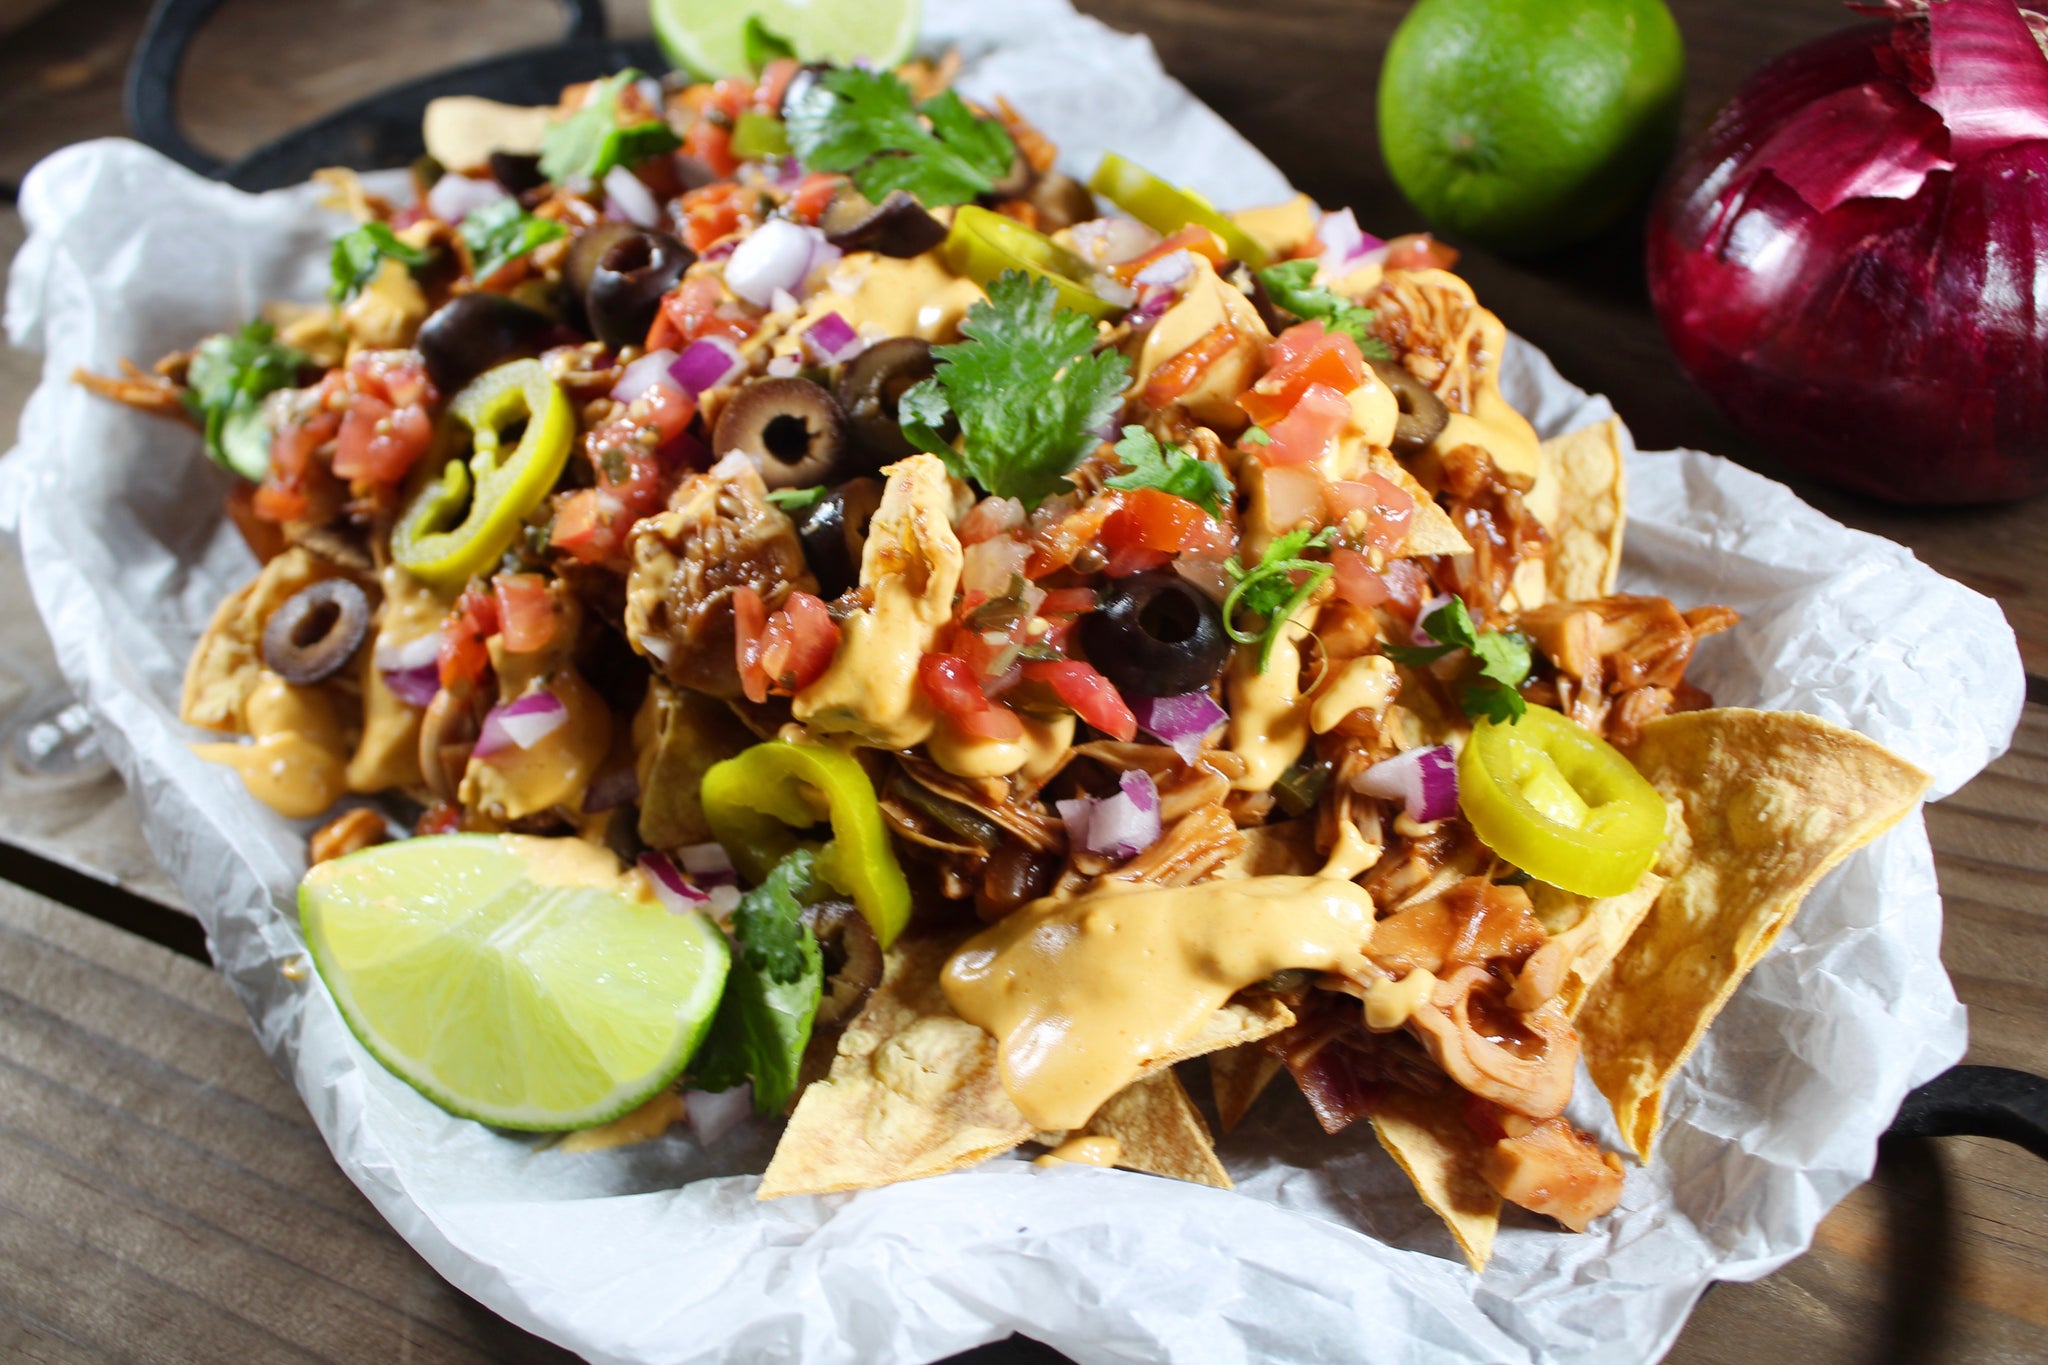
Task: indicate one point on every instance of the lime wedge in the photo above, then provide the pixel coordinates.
(521, 982)
(707, 38)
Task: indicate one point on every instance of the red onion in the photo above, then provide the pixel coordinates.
(454, 197)
(521, 724)
(643, 374)
(707, 862)
(1183, 721)
(1120, 826)
(676, 895)
(1425, 779)
(1112, 241)
(712, 1114)
(707, 363)
(1152, 305)
(1169, 271)
(1850, 263)
(1344, 242)
(625, 192)
(412, 670)
(831, 340)
(777, 255)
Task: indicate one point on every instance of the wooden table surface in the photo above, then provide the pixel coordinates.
(163, 1195)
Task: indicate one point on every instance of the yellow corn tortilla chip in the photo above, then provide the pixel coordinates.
(1432, 532)
(913, 1091)
(1238, 1076)
(226, 664)
(1239, 1022)
(1429, 1139)
(1588, 471)
(1590, 933)
(1764, 805)
(1159, 1131)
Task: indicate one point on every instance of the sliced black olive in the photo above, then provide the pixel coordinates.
(581, 263)
(517, 172)
(835, 533)
(468, 335)
(1423, 414)
(316, 632)
(852, 957)
(1062, 201)
(898, 226)
(1156, 635)
(626, 288)
(790, 428)
(874, 382)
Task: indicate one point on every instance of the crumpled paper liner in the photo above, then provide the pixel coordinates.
(660, 1252)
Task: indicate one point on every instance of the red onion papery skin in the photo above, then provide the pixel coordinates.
(1897, 347)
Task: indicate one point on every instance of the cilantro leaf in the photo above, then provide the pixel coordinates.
(226, 383)
(1179, 473)
(361, 251)
(1269, 592)
(794, 500)
(1503, 660)
(1027, 387)
(1291, 285)
(769, 921)
(762, 44)
(771, 994)
(500, 232)
(866, 124)
(579, 148)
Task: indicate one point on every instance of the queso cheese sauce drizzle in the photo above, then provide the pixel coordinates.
(1082, 994)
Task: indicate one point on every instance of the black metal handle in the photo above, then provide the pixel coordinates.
(160, 56)
(1979, 1101)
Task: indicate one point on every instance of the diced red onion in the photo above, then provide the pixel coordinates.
(414, 686)
(1183, 721)
(625, 191)
(1120, 826)
(1426, 780)
(785, 367)
(707, 862)
(414, 653)
(1112, 241)
(707, 363)
(724, 900)
(1344, 243)
(454, 197)
(831, 340)
(521, 724)
(777, 255)
(642, 375)
(1428, 609)
(712, 1114)
(1169, 270)
(1152, 305)
(611, 788)
(676, 895)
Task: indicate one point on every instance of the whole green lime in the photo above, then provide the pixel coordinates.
(1528, 124)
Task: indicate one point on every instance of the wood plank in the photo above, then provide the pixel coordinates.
(163, 1194)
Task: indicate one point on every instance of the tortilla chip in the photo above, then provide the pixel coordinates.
(1239, 1022)
(1428, 1137)
(1238, 1076)
(913, 1091)
(229, 658)
(1159, 1131)
(1432, 532)
(1591, 932)
(1588, 469)
(1765, 804)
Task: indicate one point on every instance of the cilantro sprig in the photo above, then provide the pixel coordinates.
(761, 44)
(866, 123)
(1028, 389)
(1171, 470)
(578, 149)
(1502, 661)
(226, 383)
(1268, 590)
(500, 232)
(361, 251)
(771, 994)
(1291, 285)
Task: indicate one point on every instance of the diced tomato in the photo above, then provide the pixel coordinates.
(1193, 237)
(774, 83)
(716, 211)
(813, 193)
(749, 624)
(998, 724)
(1420, 251)
(381, 443)
(1305, 433)
(1388, 508)
(711, 143)
(1408, 587)
(443, 817)
(730, 95)
(280, 503)
(1067, 602)
(282, 495)
(696, 309)
(666, 409)
(1087, 694)
(990, 518)
(1151, 519)
(472, 621)
(582, 526)
(1053, 546)
(1303, 355)
(951, 684)
(526, 612)
(1183, 371)
(1355, 580)
(797, 644)
(397, 377)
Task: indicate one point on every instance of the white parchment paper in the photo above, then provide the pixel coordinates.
(660, 1252)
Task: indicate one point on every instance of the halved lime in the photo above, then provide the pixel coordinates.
(707, 38)
(521, 982)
